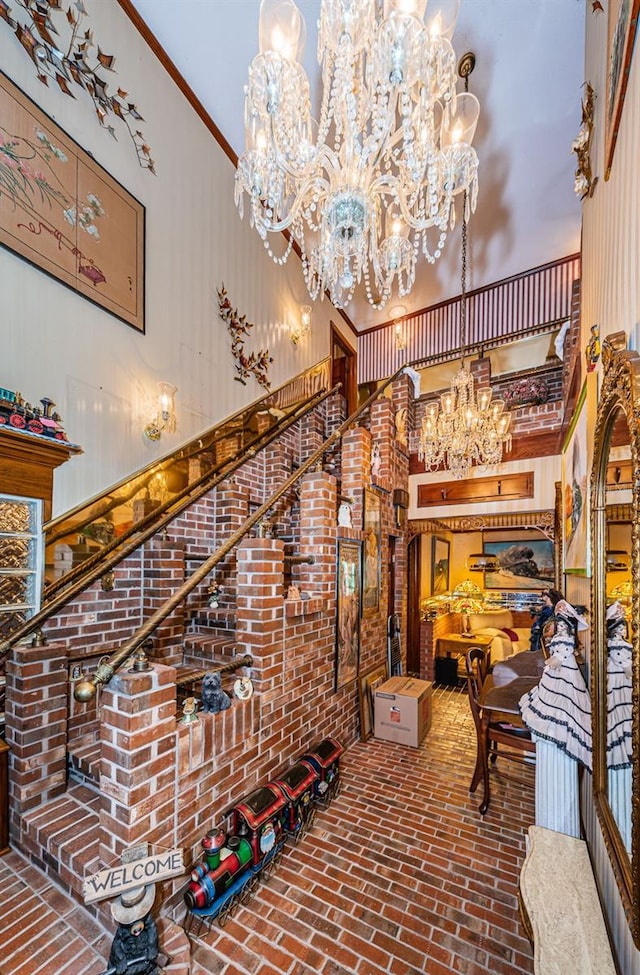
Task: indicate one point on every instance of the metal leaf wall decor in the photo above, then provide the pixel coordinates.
(256, 363)
(82, 64)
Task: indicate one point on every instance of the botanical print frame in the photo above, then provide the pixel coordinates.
(371, 572)
(63, 213)
(524, 563)
(575, 493)
(348, 590)
(367, 684)
(439, 566)
(621, 29)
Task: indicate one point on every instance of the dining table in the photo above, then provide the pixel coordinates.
(498, 704)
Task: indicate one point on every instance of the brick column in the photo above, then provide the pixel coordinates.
(383, 428)
(37, 696)
(139, 755)
(260, 607)
(318, 532)
(481, 371)
(164, 572)
(356, 454)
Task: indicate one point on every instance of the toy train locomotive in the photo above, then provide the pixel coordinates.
(42, 421)
(235, 862)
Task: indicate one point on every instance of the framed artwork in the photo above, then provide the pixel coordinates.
(439, 566)
(621, 29)
(525, 563)
(372, 526)
(367, 684)
(348, 612)
(63, 213)
(575, 492)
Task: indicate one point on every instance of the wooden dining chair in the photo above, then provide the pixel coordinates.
(493, 729)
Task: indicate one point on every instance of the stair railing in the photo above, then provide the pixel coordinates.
(85, 690)
(112, 554)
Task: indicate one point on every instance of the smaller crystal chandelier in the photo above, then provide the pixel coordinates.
(466, 427)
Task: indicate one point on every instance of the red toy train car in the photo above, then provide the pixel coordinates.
(260, 824)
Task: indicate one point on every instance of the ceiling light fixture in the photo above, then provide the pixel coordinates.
(362, 189)
(466, 427)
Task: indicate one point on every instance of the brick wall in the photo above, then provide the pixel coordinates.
(166, 781)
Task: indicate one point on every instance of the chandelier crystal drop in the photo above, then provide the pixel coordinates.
(370, 185)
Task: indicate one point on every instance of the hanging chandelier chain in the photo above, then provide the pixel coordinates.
(463, 283)
(467, 426)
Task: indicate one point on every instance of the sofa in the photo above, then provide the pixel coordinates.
(507, 639)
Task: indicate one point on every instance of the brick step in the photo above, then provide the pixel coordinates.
(223, 618)
(83, 759)
(206, 646)
(62, 836)
(174, 943)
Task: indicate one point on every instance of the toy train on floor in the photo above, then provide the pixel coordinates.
(235, 862)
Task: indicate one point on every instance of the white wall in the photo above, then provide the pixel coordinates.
(101, 373)
(546, 471)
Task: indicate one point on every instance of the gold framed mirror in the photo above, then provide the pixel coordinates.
(615, 682)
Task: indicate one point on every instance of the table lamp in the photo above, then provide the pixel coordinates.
(466, 598)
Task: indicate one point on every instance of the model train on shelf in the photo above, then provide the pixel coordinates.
(42, 421)
(235, 862)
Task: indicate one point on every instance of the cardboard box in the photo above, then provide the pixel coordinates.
(402, 709)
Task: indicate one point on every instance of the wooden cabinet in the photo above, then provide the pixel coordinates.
(27, 464)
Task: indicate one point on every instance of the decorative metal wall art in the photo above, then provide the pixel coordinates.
(82, 64)
(255, 364)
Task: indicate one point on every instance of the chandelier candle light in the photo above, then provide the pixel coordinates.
(361, 189)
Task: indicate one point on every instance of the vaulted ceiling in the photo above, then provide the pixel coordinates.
(528, 78)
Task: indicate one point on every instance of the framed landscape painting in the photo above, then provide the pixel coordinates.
(526, 563)
(65, 214)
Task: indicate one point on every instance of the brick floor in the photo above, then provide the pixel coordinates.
(399, 876)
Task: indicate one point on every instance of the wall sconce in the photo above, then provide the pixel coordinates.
(397, 315)
(304, 328)
(165, 419)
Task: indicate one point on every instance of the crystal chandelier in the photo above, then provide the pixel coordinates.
(364, 188)
(465, 427)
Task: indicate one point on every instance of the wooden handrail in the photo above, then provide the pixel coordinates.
(85, 690)
(91, 569)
